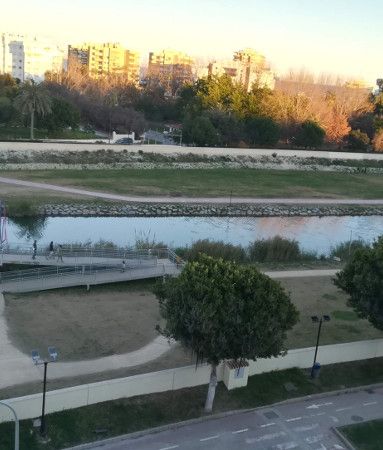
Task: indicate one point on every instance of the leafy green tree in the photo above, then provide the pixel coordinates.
(221, 310)
(199, 131)
(362, 280)
(33, 99)
(357, 140)
(261, 131)
(5, 109)
(63, 115)
(310, 134)
(229, 127)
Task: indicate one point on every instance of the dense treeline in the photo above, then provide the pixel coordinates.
(214, 111)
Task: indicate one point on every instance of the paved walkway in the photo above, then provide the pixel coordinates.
(164, 267)
(301, 425)
(17, 367)
(192, 200)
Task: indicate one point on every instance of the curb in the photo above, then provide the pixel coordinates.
(343, 438)
(176, 425)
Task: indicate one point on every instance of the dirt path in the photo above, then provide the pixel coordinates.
(209, 200)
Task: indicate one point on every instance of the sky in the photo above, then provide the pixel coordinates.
(342, 37)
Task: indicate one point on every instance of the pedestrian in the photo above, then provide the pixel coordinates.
(34, 249)
(123, 266)
(51, 251)
(60, 253)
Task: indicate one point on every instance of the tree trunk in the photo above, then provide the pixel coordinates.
(32, 123)
(211, 390)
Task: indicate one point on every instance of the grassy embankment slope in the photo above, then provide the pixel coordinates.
(214, 182)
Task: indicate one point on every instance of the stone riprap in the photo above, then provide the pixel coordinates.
(101, 159)
(201, 210)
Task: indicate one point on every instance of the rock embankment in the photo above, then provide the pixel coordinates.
(201, 210)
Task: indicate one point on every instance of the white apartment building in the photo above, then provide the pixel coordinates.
(247, 67)
(28, 57)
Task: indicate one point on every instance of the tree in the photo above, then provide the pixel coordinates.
(33, 98)
(362, 280)
(310, 134)
(199, 131)
(377, 142)
(357, 140)
(5, 109)
(63, 115)
(221, 310)
(261, 131)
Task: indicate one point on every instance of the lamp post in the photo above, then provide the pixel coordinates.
(38, 361)
(17, 433)
(320, 320)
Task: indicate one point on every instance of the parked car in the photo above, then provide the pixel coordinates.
(125, 141)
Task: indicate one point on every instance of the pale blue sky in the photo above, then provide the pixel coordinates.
(337, 36)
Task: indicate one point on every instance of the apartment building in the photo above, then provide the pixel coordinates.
(99, 60)
(247, 67)
(171, 69)
(29, 57)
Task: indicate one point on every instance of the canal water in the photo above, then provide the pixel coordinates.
(316, 234)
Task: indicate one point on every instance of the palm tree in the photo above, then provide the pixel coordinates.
(33, 98)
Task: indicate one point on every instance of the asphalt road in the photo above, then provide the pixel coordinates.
(304, 425)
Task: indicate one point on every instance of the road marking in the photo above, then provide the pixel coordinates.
(369, 403)
(346, 408)
(267, 424)
(294, 419)
(210, 437)
(265, 437)
(334, 419)
(306, 428)
(320, 414)
(287, 446)
(338, 447)
(318, 405)
(169, 448)
(240, 431)
(314, 439)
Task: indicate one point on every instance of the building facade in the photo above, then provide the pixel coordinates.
(247, 67)
(28, 57)
(171, 69)
(105, 60)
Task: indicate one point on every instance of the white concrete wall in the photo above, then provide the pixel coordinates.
(166, 380)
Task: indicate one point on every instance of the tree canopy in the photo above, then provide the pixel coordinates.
(362, 280)
(222, 310)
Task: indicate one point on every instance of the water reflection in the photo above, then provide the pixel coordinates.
(27, 228)
(313, 233)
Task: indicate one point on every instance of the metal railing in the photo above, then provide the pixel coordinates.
(139, 260)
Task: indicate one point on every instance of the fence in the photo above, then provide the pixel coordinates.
(168, 380)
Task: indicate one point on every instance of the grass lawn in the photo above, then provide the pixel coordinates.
(115, 319)
(214, 182)
(365, 436)
(73, 427)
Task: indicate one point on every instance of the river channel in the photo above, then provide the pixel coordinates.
(316, 234)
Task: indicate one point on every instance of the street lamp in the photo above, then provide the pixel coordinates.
(38, 361)
(320, 320)
(16, 424)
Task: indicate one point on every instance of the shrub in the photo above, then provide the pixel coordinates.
(218, 249)
(276, 249)
(346, 250)
(357, 140)
(262, 131)
(377, 142)
(310, 134)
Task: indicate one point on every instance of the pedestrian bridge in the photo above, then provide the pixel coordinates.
(83, 267)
